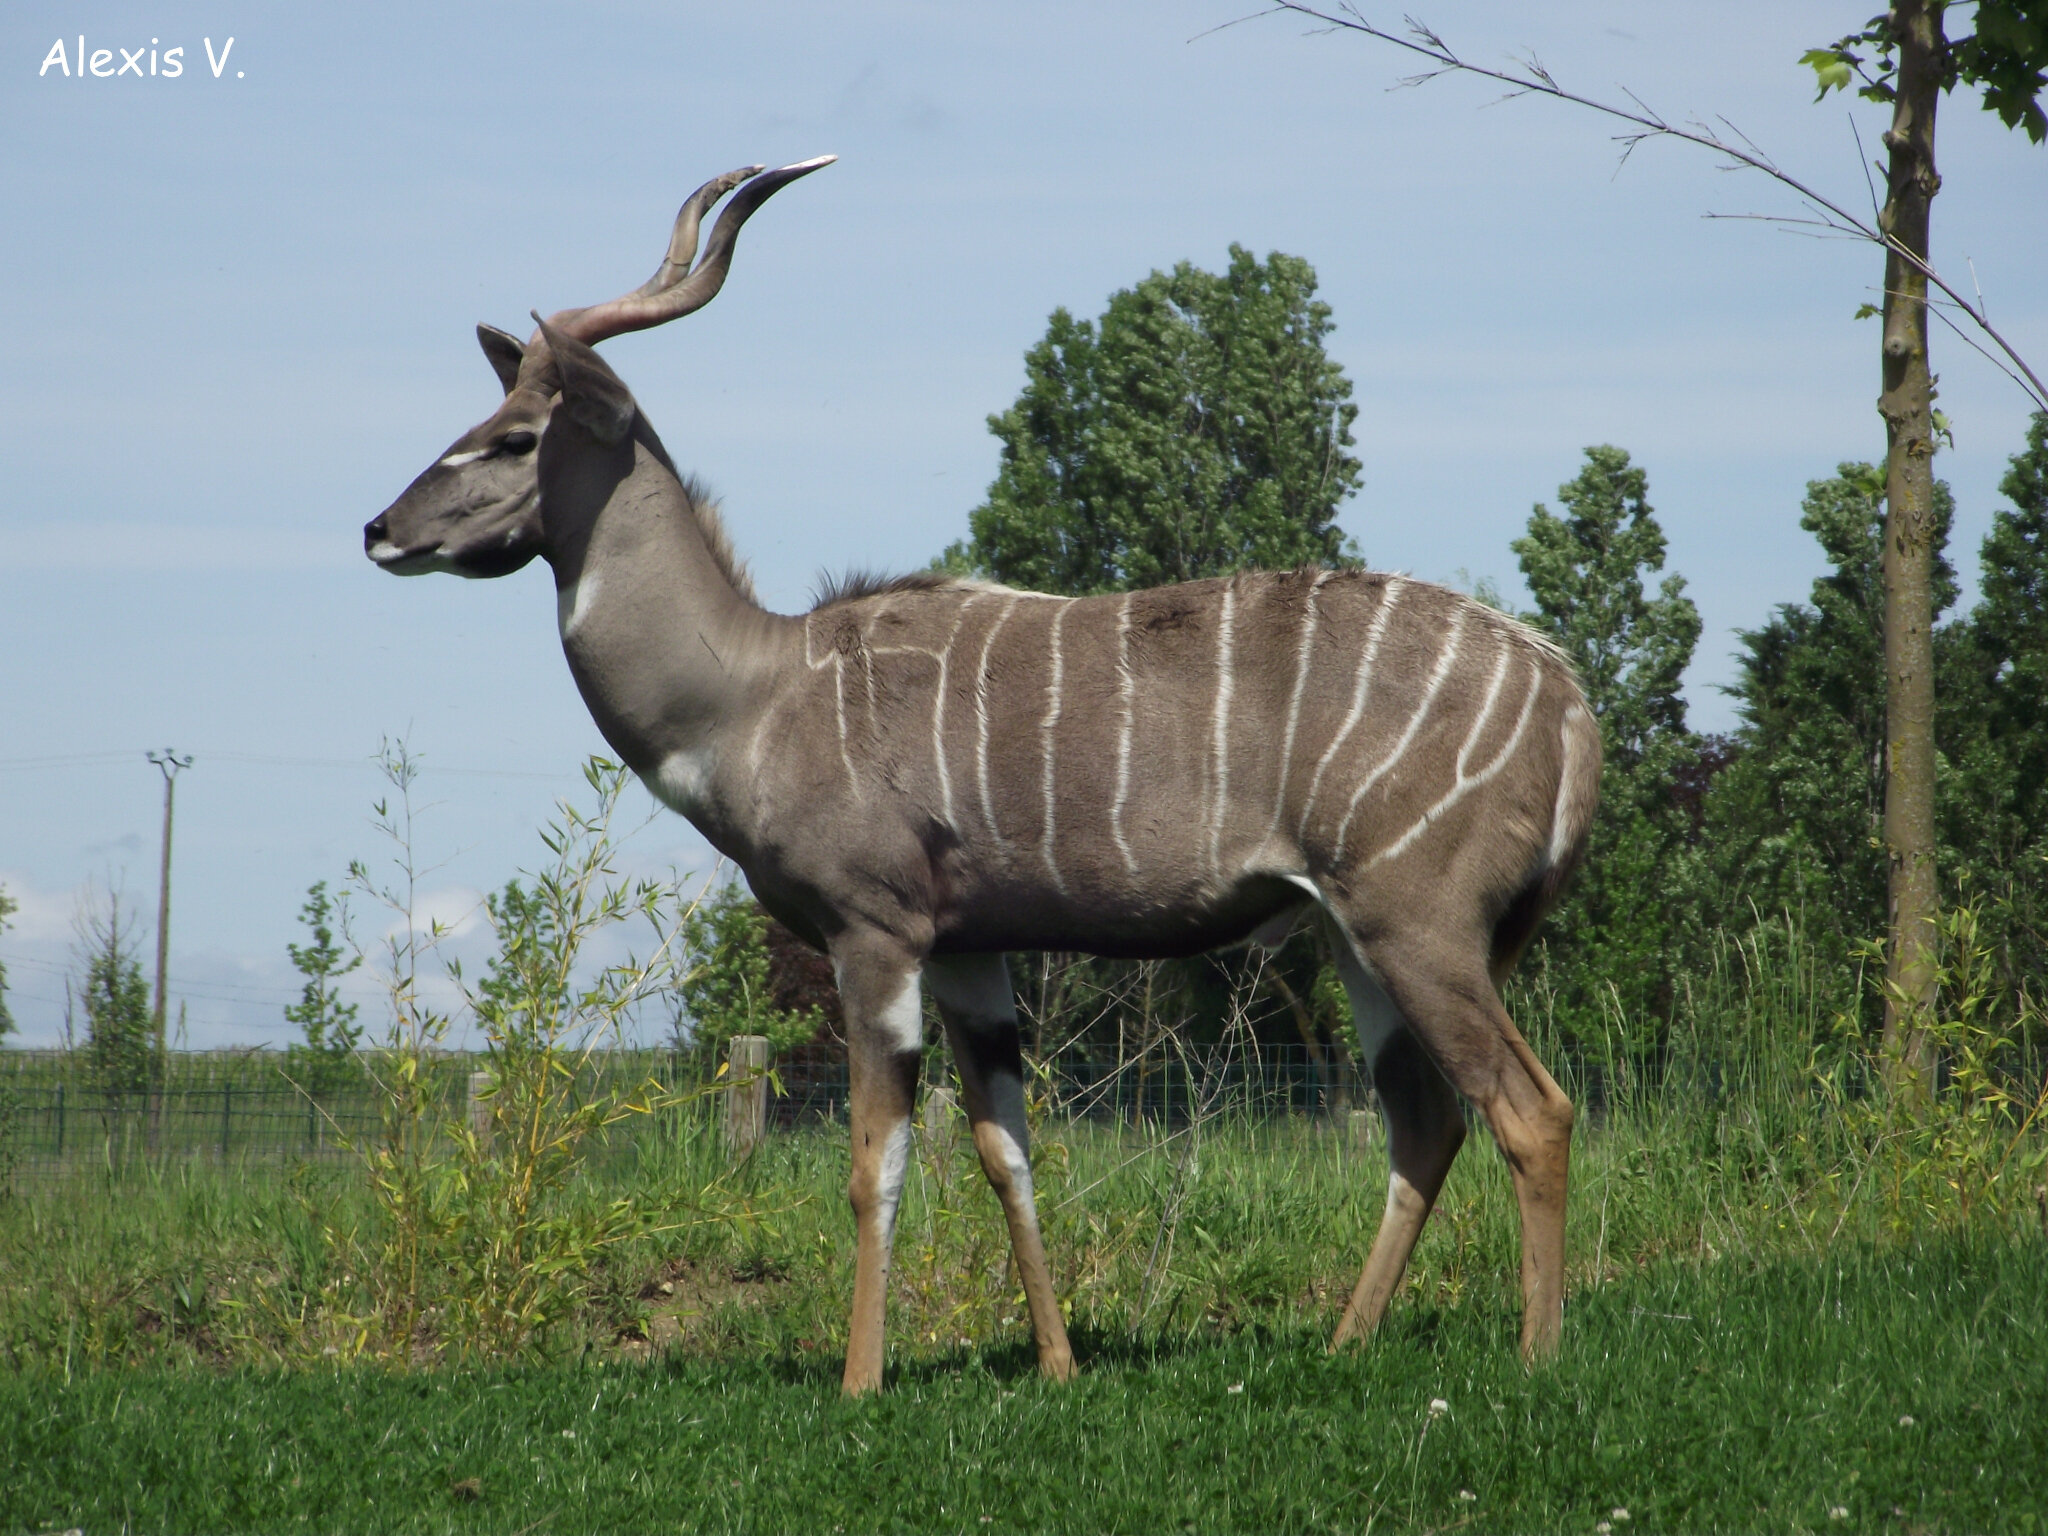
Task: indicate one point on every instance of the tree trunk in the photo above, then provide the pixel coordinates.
(1907, 406)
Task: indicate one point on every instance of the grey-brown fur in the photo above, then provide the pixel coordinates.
(923, 773)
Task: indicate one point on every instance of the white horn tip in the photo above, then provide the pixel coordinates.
(812, 164)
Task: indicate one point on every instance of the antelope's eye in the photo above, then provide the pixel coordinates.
(518, 442)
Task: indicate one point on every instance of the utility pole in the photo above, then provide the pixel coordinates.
(168, 763)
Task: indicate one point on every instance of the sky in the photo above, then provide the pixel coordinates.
(242, 301)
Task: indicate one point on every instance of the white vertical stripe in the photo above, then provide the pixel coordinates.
(1561, 815)
(1219, 742)
(1126, 689)
(1444, 659)
(988, 806)
(939, 714)
(1466, 784)
(1361, 687)
(1053, 701)
(1303, 649)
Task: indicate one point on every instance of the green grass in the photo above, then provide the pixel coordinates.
(1740, 1396)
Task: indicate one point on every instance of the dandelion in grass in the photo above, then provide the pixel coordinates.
(1604, 1528)
(1617, 1514)
(1466, 1495)
(1837, 1512)
(1438, 1407)
(1905, 1421)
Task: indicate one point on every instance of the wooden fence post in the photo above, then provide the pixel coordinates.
(941, 1120)
(1361, 1129)
(746, 1099)
(479, 1108)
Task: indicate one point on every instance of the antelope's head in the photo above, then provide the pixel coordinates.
(477, 510)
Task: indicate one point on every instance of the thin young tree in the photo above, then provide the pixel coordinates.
(327, 1026)
(8, 907)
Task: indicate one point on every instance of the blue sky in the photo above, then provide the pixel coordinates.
(241, 313)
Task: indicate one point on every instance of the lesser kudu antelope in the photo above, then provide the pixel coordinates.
(920, 775)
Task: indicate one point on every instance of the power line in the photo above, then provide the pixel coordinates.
(428, 768)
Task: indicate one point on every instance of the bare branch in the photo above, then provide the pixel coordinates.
(1529, 77)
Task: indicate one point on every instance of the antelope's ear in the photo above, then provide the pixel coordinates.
(505, 352)
(595, 397)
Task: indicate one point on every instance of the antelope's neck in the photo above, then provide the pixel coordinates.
(670, 658)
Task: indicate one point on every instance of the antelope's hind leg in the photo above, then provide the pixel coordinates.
(1425, 1128)
(878, 990)
(973, 994)
(1455, 1012)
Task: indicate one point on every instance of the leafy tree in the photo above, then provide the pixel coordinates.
(327, 1023)
(8, 907)
(1587, 571)
(116, 1001)
(728, 986)
(1911, 64)
(1797, 817)
(1995, 722)
(1198, 428)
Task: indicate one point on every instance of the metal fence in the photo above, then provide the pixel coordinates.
(243, 1106)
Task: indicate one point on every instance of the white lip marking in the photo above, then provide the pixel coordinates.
(384, 552)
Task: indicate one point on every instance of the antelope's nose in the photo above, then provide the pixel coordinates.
(374, 533)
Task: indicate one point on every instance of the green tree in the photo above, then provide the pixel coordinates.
(1911, 64)
(1995, 723)
(327, 1024)
(727, 986)
(8, 907)
(1198, 428)
(1797, 819)
(1587, 571)
(115, 998)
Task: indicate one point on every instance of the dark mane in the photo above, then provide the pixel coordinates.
(854, 585)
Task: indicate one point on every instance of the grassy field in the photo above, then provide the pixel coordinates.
(1771, 1324)
(1899, 1389)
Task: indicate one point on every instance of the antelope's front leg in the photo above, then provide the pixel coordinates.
(878, 991)
(973, 994)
